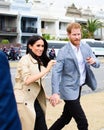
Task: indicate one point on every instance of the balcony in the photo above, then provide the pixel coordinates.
(29, 30)
(8, 29)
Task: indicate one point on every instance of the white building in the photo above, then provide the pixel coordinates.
(19, 20)
(16, 21)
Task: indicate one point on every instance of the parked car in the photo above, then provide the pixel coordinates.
(56, 45)
(51, 44)
(23, 50)
(96, 46)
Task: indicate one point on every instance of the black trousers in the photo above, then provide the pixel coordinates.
(40, 123)
(71, 109)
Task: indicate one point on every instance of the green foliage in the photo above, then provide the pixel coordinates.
(91, 26)
(26, 1)
(84, 33)
(64, 39)
(5, 41)
(46, 36)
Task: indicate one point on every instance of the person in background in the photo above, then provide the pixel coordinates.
(9, 118)
(71, 71)
(12, 53)
(5, 50)
(52, 54)
(29, 84)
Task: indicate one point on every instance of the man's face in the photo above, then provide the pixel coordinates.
(75, 36)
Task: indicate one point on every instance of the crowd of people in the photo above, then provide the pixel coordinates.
(12, 53)
(70, 71)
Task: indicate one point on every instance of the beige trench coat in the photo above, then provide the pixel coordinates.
(26, 94)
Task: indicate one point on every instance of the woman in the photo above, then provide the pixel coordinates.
(29, 84)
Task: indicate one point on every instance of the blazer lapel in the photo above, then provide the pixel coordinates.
(90, 77)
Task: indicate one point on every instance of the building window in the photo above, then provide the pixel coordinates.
(42, 24)
(60, 24)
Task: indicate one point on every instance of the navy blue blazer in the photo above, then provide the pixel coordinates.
(9, 118)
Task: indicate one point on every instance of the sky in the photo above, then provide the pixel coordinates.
(97, 4)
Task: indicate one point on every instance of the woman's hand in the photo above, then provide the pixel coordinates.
(55, 99)
(50, 64)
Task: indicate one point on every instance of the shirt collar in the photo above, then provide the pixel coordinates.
(74, 47)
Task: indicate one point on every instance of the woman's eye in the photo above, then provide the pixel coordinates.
(40, 45)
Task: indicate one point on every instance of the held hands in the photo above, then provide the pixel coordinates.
(54, 99)
(50, 64)
(90, 60)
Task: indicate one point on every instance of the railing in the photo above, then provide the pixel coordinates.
(8, 29)
(29, 30)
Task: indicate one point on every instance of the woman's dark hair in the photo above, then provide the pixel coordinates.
(32, 40)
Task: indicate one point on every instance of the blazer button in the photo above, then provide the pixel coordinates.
(25, 103)
(28, 89)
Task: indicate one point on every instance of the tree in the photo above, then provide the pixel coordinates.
(91, 26)
(27, 1)
(5, 41)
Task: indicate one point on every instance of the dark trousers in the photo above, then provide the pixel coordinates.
(71, 109)
(40, 123)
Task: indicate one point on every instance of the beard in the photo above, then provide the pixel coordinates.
(75, 42)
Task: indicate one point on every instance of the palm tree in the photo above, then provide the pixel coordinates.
(27, 1)
(91, 26)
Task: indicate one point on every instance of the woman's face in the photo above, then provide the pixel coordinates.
(38, 47)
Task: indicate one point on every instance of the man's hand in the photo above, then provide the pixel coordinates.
(55, 99)
(90, 60)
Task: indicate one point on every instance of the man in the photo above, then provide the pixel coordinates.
(9, 119)
(70, 73)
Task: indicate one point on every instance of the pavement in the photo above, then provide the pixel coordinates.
(13, 64)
